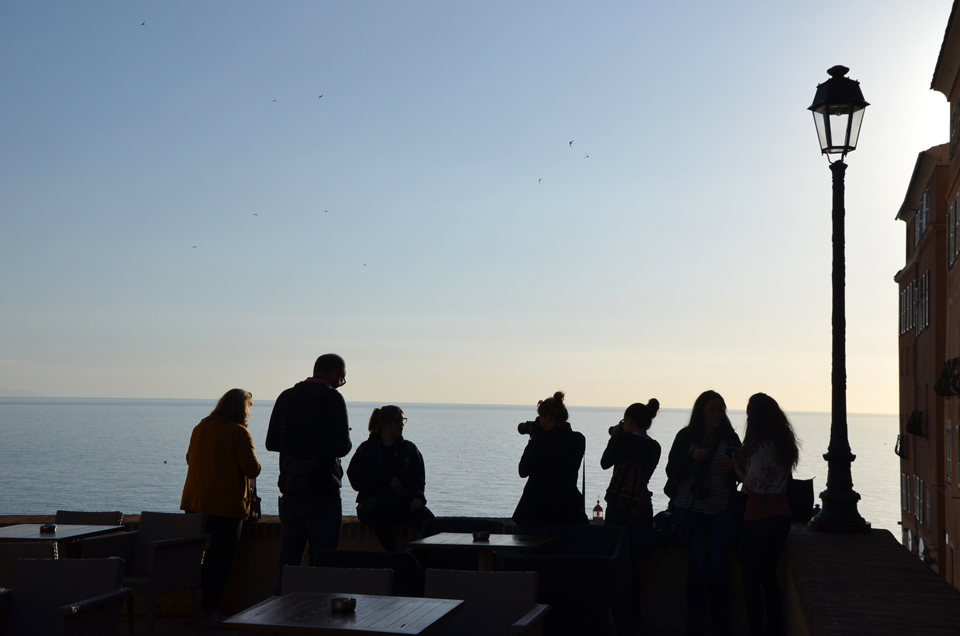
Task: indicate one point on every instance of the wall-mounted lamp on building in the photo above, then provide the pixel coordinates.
(838, 112)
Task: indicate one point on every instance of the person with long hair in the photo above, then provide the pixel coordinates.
(700, 483)
(220, 463)
(551, 464)
(634, 456)
(770, 454)
(388, 474)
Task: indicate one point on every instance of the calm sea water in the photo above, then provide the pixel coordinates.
(92, 454)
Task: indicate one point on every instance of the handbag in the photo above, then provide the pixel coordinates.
(255, 512)
(800, 496)
(672, 528)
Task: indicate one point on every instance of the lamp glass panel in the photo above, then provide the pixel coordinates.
(839, 118)
(855, 128)
(820, 121)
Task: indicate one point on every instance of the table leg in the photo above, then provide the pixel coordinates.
(485, 561)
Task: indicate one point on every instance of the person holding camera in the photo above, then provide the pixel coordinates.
(700, 483)
(550, 464)
(634, 456)
(388, 474)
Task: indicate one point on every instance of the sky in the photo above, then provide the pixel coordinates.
(181, 212)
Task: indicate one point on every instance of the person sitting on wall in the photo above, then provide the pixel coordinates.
(388, 474)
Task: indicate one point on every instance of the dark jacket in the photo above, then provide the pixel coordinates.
(374, 465)
(681, 464)
(551, 464)
(309, 428)
(634, 458)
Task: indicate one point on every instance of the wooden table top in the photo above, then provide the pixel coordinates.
(309, 613)
(465, 541)
(31, 532)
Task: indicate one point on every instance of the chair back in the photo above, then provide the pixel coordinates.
(42, 586)
(81, 518)
(407, 573)
(10, 552)
(493, 601)
(156, 526)
(346, 580)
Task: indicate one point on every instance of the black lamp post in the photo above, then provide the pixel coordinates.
(838, 112)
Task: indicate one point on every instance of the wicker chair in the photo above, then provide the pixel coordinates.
(164, 555)
(494, 602)
(10, 552)
(407, 573)
(585, 577)
(347, 580)
(69, 596)
(80, 518)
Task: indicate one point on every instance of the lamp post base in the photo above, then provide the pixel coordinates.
(839, 513)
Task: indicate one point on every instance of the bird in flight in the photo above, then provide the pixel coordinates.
(194, 247)
(274, 100)
(539, 180)
(571, 143)
(255, 214)
(144, 23)
(320, 96)
(587, 157)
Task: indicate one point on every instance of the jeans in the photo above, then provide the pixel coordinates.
(639, 530)
(761, 543)
(710, 537)
(316, 519)
(381, 514)
(224, 536)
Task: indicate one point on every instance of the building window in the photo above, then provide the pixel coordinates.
(905, 492)
(926, 512)
(922, 220)
(918, 499)
(908, 307)
(949, 446)
(953, 233)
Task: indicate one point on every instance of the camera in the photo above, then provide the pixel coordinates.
(530, 428)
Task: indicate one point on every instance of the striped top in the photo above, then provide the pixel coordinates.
(710, 488)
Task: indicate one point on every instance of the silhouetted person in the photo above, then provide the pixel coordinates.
(308, 427)
(388, 474)
(220, 463)
(765, 465)
(551, 463)
(700, 482)
(634, 456)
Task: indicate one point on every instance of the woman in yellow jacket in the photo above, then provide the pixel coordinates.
(220, 460)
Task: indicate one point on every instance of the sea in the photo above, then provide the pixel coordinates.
(130, 454)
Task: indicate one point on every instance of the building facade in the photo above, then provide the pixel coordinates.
(929, 340)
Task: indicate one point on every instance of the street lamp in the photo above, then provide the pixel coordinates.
(838, 112)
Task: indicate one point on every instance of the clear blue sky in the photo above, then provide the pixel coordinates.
(401, 220)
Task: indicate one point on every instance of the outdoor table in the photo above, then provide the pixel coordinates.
(63, 535)
(309, 613)
(484, 549)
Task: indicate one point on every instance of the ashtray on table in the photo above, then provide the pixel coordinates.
(481, 535)
(343, 604)
(48, 528)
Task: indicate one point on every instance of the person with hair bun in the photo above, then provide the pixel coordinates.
(634, 455)
(388, 474)
(551, 464)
